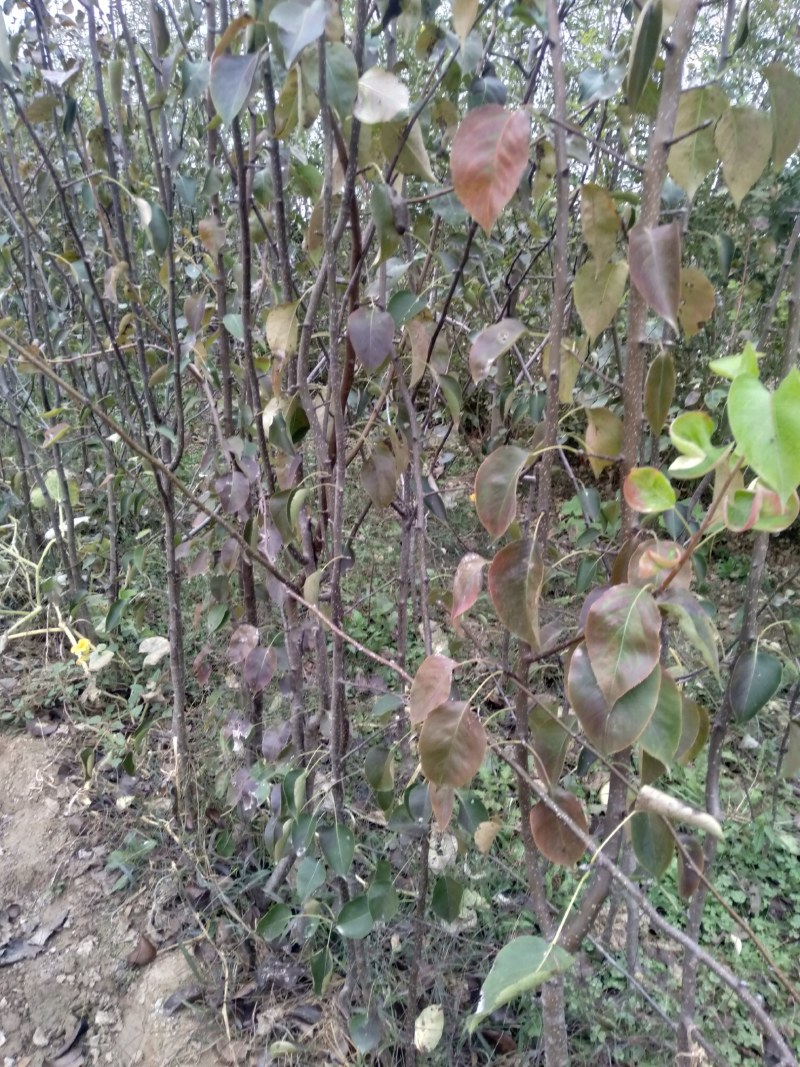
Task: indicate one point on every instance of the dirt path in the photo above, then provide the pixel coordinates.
(65, 936)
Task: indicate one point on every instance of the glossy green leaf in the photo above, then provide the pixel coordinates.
(766, 426)
(521, 966)
(310, 877)
(496, 487)
(452, 744)
(610, 728)
(663, 733)
(648, 491)
(623, 639)
(275, 922)
(659, 390)
(446, 898)
(355, 921)
(652, 841)
(515, 582)
(381, 894)
(756, 678)
(644, 49)
(338, 844)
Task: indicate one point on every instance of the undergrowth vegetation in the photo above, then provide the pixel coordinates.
(400, 465)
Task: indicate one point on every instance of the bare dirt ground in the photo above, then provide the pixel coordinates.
(67, 995)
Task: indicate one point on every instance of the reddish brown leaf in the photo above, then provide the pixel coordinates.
(371, 332)
(467, 583)
(496, 487)
(554, 839)
(259, 667)
(243, 640)
(610, 729)
(488, 159)
(442, 799)
(691, 861)
(452, 743)
(654, 258)
(144, 953)
(623, 639)
(515, 581)
(490, 344)
(430, 688)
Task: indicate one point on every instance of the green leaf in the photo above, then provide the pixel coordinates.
(743, 136)
(487, 160)
(114, 615)
(365, 1030)
(744, 362)
(338, 844)
(659, 390)
(275, 923)
(381, 894)
(155, 222)
(691, 435)
(355, 920)
(644, 49)
(492, 343)
(610, 728)
(756, 678)
(784, 107)
(321, 970)
(694, 623)
(515, 582)
(654, 257)
(446, 898)
(663, 733)
(652, 841)
(413, 157)
(791, 760)
(598, 292)
(549, 736)
(522, 965)
(452, 744)
(623, 639)
(496, 487)
(230, 83)
(310, 877)
(648, 491)
(342, 78)
(298, 25)
(766, 426)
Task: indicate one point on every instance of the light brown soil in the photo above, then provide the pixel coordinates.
(53, 874)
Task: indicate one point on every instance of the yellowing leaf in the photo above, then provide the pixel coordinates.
(603, 438)
(697, 301)
(598, 293)
(743, 137)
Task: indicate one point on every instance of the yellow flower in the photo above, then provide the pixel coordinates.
(81, 650)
